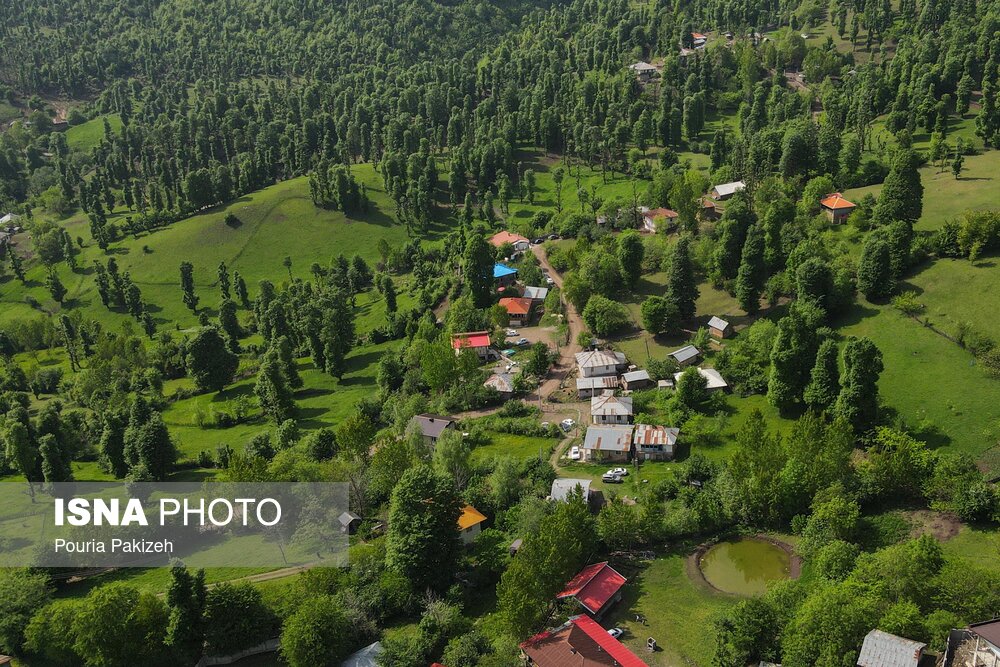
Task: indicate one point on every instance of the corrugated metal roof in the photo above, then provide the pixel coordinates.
(880, 649)
(611, 405)
(685, 353)
(609, 438)
(650, 435)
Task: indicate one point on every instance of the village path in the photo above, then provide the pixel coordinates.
(567, 359)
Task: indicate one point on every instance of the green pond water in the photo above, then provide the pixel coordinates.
(745, 566)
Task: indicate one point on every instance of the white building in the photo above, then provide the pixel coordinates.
(600, 362)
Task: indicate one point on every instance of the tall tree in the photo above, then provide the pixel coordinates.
(187, 286)
(858, 398)
(902, 193)
(630, 252)
(209, 362)
(422, 543)
(682, 289)
(477, 268)
(824, 383)
(272, 389)
(752, 275)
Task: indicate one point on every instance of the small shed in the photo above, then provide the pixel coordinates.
(562, 487)
(713, 379)
(724, 191)
(536, 293)
(638, 379)
(719, 328)
(687, 355)
(470, 523)
(349, 522)
(515, 546)
(836, 207)
(502, 382)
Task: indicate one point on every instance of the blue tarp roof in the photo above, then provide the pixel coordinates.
(500, 270)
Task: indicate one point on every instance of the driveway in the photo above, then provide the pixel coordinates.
(564, 365)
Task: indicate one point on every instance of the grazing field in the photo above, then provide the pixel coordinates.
(956, 290)
(932, 383)
(88, 135)
(277, 222)
(945, 197)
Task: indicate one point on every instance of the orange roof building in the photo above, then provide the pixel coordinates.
(519, 242)
(518, 308)
(837, 207)
(470, 523)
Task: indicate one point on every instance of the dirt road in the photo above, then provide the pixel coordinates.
(566, 360)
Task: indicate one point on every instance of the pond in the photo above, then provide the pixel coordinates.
(745, 566)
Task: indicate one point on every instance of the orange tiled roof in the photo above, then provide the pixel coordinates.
(470, 517)
(835, 200)
(500, 238)
(516, 305)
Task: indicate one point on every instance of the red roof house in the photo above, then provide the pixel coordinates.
(837, 207)
(518, 308)
(581, 642)
(479, 341)
(649, 218)
(596, 587)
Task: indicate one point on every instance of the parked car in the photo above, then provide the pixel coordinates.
(620, 471)
(567, 424)
(538, 241)
(574, 453)
(616, 632)
(553, 237)
(523, 341)
(511, 332)
(611, 478)
(549, 281)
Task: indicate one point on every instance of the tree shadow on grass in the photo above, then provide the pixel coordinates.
(233, 392)
(312, 392)
(857, 314)
(310, 414)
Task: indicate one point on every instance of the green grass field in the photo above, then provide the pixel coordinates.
(88, 135)
(944, 197)
(678, 611)
(518, 446)
(931, 382)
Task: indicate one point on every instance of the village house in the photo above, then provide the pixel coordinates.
(519, 242)
(504, 276)
(836, 207)
(724, 191)
(686, 356)
(881, 649)
(596, 588)
(709, 210)
(477, 341)
(610, 409)
(594, 386)
(432, 426)
(580, 642)
(563, 487)
(608, 444)
(518, 310)
(654, 443)
(7, 219)
(699, 40)
(600, 362)
(502, 382)
(713, 379)
(643, 71)
(349, 522)
(975, 646)
(637, 379)
(470, 524)
(719, 328)
(664, 216)
(536, 293)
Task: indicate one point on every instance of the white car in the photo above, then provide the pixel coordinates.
(619, 471)
(511, 332)
(567, 424)
(522, 342)
(611, 478)
(549, 280)
(616, 632)
(574, 453)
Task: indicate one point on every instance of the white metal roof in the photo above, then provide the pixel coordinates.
(714, 378)
(611, 406)
(880, 649)
(718, 323)
(685, 353)
(726, 189)
(609, 438)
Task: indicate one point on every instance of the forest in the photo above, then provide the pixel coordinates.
(245, 241)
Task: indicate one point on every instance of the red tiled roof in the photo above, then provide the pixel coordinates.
(500, 238)
(698, 35)
(594, 586)
(471, 339)
(661, 212)
(615, 648)
(579, 643)
(516, 305)
(835, 200)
